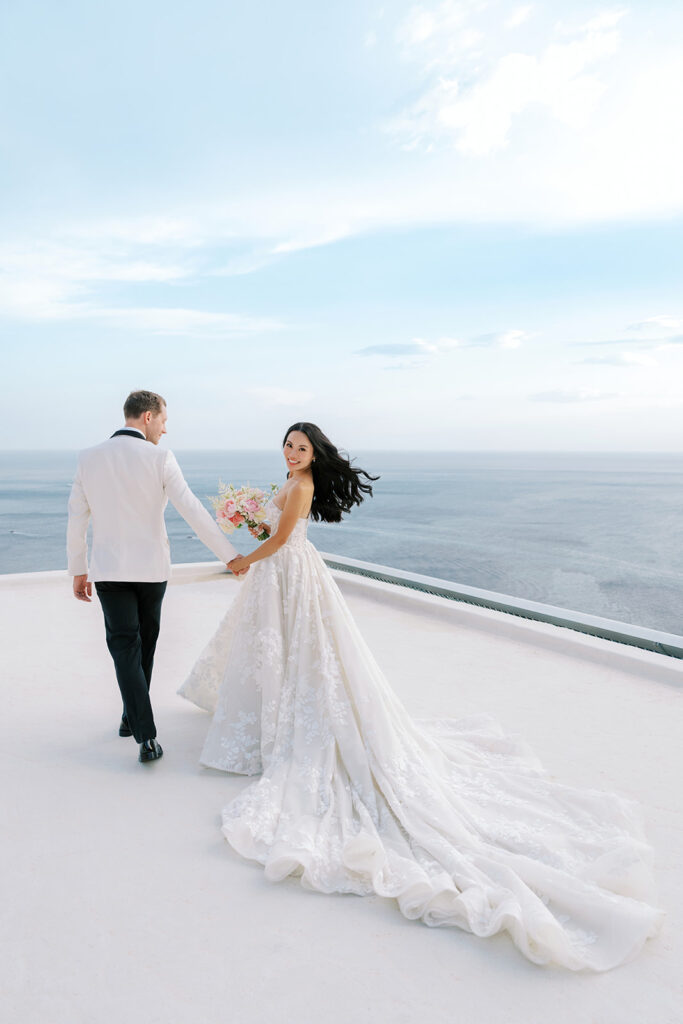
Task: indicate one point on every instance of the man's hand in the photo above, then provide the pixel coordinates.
(237, 566)
(82, 589)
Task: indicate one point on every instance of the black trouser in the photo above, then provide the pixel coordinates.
(132, 616)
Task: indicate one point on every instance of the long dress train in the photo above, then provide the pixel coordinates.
(455, 820)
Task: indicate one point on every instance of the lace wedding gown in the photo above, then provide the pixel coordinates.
(454, 819)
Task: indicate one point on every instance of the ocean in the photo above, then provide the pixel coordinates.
(596, 533)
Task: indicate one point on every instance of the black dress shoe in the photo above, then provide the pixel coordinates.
(124, 728)
(150, 751)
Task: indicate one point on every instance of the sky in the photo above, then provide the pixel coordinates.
(452, 226)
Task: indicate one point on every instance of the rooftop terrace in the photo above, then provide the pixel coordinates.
(123, 902)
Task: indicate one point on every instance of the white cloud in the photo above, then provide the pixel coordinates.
(602, 21)
(50, 279)
(519, 16)
(418, 26)
(511, 339)
(440, 345)
(41, 299)
(501, 339)
(55, 281)
(476, 116)
(238, 266)
(440, 33)
(652, 334)
(658, 325)
(46, 259)
(312, 240)
(416, 347)
(35, 298)
(577, 124)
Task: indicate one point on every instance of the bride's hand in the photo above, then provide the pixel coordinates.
(256, 531)
(238, 566)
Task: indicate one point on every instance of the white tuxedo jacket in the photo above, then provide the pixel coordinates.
(124, 484)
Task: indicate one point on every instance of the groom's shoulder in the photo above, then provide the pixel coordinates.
(86, 454)
(139, 450)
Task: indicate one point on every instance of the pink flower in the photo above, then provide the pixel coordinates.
(251, 505)
(221, 514)
(230, 508)
(236, 519)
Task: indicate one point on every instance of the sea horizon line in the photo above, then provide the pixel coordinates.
(431, 451)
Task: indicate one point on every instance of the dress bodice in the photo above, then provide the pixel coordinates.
(297, 537)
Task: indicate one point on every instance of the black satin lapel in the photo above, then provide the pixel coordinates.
(127, 433)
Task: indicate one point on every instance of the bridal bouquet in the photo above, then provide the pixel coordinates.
(243, 506)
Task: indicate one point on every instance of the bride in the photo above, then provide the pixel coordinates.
(456, 821)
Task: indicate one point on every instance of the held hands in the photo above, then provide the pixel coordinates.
(82, 589)
(238, 566)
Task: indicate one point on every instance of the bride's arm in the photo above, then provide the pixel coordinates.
(296, 501)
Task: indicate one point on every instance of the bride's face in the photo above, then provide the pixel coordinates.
(298, 452)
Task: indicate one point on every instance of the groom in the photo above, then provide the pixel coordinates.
(124, 484)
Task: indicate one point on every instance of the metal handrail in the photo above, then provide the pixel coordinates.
(669, 644)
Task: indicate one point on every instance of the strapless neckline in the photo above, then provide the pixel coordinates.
(302, 519)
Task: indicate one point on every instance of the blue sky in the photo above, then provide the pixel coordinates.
(451, 225)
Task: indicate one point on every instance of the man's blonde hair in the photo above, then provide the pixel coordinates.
(139, 402)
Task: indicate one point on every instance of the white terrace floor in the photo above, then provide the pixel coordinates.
(123, 903)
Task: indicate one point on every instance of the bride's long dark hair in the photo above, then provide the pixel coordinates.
(338, 485)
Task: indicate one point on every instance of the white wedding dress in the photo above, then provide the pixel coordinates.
(454, 819)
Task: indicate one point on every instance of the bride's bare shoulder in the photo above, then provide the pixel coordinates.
(301, 493)
(300, 486)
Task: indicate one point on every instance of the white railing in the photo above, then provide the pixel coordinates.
(594, 625)
(669, 644)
